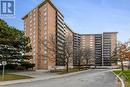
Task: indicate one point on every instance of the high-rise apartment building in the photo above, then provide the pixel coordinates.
(88, 45)
(99, 47)
(109, 45)
(76, 49)
(42, 22)
(46, 21)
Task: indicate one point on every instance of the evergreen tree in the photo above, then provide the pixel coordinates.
(13, 44)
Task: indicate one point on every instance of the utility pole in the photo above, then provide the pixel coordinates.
(3, 71)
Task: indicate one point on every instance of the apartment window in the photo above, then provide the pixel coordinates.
(91, 42)
(34, 32)
(45, 37)
(34, 49)
(30, 34)
(45, 9)
(45, 61)
(91, 47)
(83, 45)
(45, 27)
(45, 19)
(30, 21)
(30, 29)
(34, 54)
(45, 33)
(45, 52)
(34, 23)
(45, 42)
(25, 25)
(34, 27)
(45, 47)
(34, 19)
(45, 14)
(83, 42)
(34, 41)
(34, 45)
(30, 16)
(45, 23)
(34, 15)
(30, 25)
(34, 37)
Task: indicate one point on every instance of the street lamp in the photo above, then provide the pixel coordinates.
(3, 72)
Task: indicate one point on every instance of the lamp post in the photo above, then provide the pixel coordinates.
(3, 71)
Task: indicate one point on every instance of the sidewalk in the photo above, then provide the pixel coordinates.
(45, 75)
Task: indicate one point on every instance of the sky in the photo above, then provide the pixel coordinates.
(84, 16)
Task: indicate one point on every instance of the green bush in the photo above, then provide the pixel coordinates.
(23, 66)
(11, 66)
(27, 65)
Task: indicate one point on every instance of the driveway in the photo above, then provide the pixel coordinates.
(92, 78)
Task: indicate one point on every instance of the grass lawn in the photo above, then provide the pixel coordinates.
(125, 74)
(9, 77)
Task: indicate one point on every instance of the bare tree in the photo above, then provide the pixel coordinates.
(80, 59)
(50, 47)
(86, 56)
(68, 52)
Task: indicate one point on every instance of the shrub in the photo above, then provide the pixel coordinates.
(27, 65)
(11, 66)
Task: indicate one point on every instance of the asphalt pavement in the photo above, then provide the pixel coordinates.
(92, 78)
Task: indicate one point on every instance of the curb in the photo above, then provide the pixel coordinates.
(122, 82)
(39, 79)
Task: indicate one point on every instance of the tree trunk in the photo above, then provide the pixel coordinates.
(67, 65)
(122, 66)
(95, 66)
(67, 68)
(86, 63)
(79, 65)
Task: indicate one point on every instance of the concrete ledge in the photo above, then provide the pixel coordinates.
(122, 82)
(38, 79)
